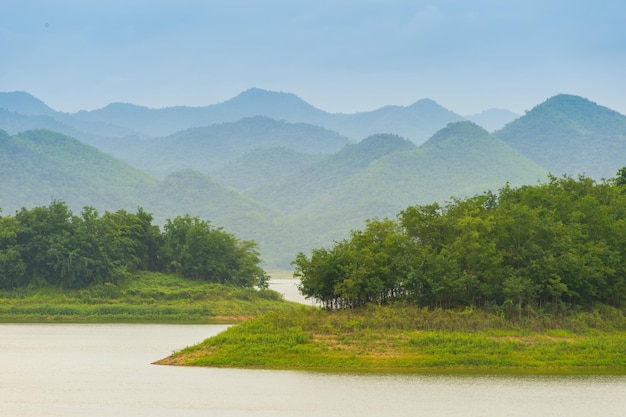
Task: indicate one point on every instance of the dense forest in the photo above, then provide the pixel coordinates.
(49, 245)
(555, 244)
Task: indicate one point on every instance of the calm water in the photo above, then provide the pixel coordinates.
(67, 370)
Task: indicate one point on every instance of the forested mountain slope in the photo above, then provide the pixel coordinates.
(301, 189)
(460, 160)
(570, 135)
(260, 168)
(39, 165)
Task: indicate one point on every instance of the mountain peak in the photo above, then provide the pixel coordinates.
(573, 107)
(260, 96)
(458, 132)
(387, 141)
(23, 103)
(568, 134)
(277, 105)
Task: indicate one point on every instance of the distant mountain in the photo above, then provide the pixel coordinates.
(207, 149)
(13, 122)
(568, 134)
(460, 160)
(383, 174)
(291, 186)
(163, 122)
(24, 103)
(262, 167)
(190, 192)
(272, 104)
(416, 122)
(493, 119)
(20, 112)
(40, 165)
(200, 196)
(299, 190)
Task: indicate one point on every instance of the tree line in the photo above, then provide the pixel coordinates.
(49, 245)
(559, 243)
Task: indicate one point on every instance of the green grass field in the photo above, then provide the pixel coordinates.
(412, 339)
(144, 297)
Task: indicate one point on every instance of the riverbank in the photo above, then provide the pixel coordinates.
(413, 339)
(141, 298)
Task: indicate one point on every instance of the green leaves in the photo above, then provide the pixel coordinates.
(196, 250)
(51, 245)
(559, 242)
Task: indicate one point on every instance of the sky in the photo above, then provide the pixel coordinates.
(339, 55)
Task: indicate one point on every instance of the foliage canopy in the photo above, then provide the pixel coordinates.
(558, 243)
(50, 245)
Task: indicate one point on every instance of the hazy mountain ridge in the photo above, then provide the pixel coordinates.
(416, 122)
(207, 149)
(23, 103)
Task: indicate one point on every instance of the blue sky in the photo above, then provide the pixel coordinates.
(341, 56)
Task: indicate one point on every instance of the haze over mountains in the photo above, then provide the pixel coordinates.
(416, 122)
(270, 167)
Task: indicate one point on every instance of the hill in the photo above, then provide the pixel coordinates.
(570, 135)
(39, 165)
(206, 149)
(459, 160)
(416, 122)
(190, 192)
(262, 167)
(299, 190)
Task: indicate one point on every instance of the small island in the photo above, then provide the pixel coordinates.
(410, 339)
(532, 279)
(119, 267)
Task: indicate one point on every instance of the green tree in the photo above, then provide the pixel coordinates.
(12, 267)
(196, 250)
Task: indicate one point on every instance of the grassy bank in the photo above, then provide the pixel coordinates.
(145, 297)
(412, 339)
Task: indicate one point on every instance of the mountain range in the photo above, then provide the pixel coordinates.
(271, 168)
(416, 122)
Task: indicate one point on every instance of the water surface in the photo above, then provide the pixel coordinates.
(97, 370)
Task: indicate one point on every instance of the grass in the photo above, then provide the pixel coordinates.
(411, 339)
(144, 297)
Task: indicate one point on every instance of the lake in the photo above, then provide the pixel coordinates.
(96, 370)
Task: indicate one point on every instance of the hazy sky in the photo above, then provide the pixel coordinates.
(338, 55)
